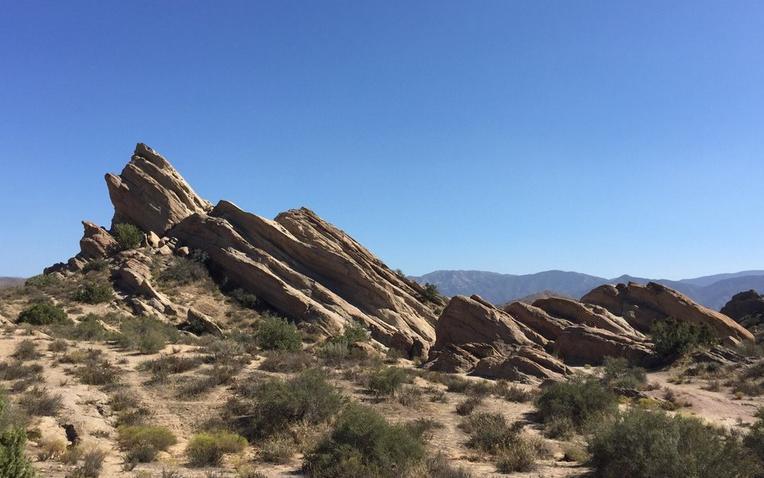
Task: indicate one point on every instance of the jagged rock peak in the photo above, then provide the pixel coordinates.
(151, 194)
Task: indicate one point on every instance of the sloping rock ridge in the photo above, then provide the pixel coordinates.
(641, 305)
(299, 264)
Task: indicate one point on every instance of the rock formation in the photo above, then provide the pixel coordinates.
(474, 336)
(744, 304)
(641, 305)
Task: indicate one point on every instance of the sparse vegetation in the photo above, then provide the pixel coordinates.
(575, 402)
(182, 270)
(39, 402)
(641, 443)
(387, 381)
(617, 373)
(42, 313)
(275, 333)
(142, 442)
(145, 334)
(430, 292)
(362, 443)
(127, 236)
(674, 338)
(284, 361)
(468, 405)
(207, 449)
(277, 449)
(26, 350)
(94, 293)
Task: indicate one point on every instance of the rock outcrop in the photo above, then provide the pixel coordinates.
(744, 304)
(585, 314)
(581, 344)
(96, 242)
(641, 305)
(151, 194)
(537, 319)
(298, 264)
(474, 336)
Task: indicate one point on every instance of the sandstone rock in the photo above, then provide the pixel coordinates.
(150, 193)
(96, 242)
(641, 305)
(133, 276)
(198, 323)
(581, 344)
(152, 240)
(537, 319)
(183, 251)
(744, 304)
(585, 314)
(165, 250)
(473, 336)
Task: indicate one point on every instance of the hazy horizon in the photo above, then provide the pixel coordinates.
(603, 138)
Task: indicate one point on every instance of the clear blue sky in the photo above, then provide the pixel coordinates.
(605, 137)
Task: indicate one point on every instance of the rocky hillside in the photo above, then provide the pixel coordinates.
(712, 291)
(10, 282)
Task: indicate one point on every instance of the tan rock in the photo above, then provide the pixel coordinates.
(198, 323)
(133, 275)
(537, 319)
(641, 305)
(152, 240)
(585, 314)
(581, 344)
(96, 242)
(150, 193)
(183, 251)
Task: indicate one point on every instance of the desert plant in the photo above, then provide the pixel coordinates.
(39, 402)
(640, 443)
(490, 432)
(50, 447)
(207, 449)
(170, 364)
(184, 271)
(275, 333)
(127, 236)
(88, 327)
(387, 381)
(95, 265)
(143, 442)
(438, 466)
(512, 392)
(618, 373)
(94, 293)
(244, 298)
(16, 369)
(578, 400)
(13, 463)
(362, 443)
(520, 457)
(95, 370)
(92, 463)
(468, 405)
(58, 345)
(287, 362)
(755, 438)
(430, 292)
(674, 338)
(264, 408)
(277, 449)
(42, 313)
(26, 350)
(145, 334)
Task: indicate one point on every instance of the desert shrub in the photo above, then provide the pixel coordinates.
(618, 373)
(58, 345)
(277, 449)
(520, 457)
(275, 333)
(207, 449)
(578, 400)
(468, 405)
(95, 265)
(410, 396)
(26, 350)
(430, 292)
(39, 402)
(123, 400)
(182, 271)
(42, 281)
(362, 443)
(387, 381)
(145, 334)
(265, 408)
(88, 327)
(674, 338)
(218, 375)
(13, 463)
(16, 369)
(94, 293)
(42, 313)
(439, 466)
(143, 442)
(50, 447)
(95, 370)
(489, 432)
(127, 236)
(512, 392)
(92, 463)
(641, 443)
(170, 364)
(244, 298)
(288, 362)
(755, 438)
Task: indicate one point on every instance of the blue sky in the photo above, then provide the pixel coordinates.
(604, 137)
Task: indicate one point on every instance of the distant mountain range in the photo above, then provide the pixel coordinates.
(6, 282)
(712, 291)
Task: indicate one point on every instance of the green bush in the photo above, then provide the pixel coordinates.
(362, 443)
(207, 449)
(439, 466)
(268, 407)
(755, 438)
(387, 381)
(26, 350)
(642, 443)
(674, 338)
(42, 313)
(579, 400)
(95, 265)
(490, 432)
(143, 442)
(42, 281)
(618, 373)
(184, 271)
(275, 333)
(88, 328)
(145, 334)
(431, 292)
(13, 463)
(244, 298)
(94, 293)
(128, 236)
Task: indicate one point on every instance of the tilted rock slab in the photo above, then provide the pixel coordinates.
(585, 314)
(151, 194)
(581, 344)
(641, 305)
(299, 264)
(537, 319)
(474, 336)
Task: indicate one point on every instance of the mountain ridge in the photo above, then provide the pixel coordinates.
(712, 290)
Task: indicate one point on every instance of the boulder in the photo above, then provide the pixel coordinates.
(133, 276)
(744, 304)
(152, 240)
(641, 305)
(585, 314)
(151, 194)
(581, 344)
(96, 242)
(474, 336)
(198, 323)
(537, 319)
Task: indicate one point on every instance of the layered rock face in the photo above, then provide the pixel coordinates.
(641, 305)
(151, 194)
(744, 304)
(474, 336)
(299, 264)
